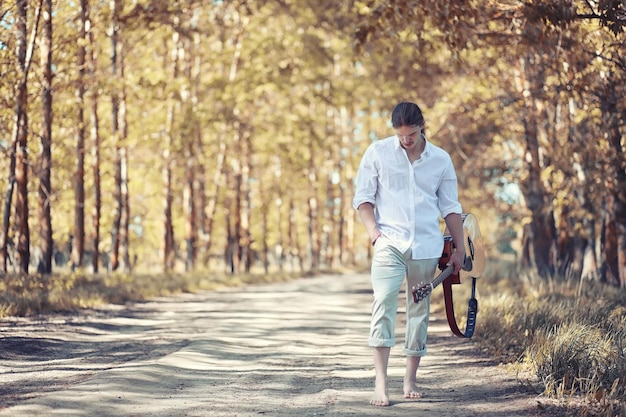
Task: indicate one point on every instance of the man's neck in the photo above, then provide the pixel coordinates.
(415, 153)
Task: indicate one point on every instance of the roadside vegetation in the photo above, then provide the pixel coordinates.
(565, 339)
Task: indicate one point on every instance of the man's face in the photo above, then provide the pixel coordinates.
(410, 136)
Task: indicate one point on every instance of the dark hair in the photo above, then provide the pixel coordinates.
(406, 114)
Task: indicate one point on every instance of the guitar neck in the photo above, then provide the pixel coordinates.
(442, 276)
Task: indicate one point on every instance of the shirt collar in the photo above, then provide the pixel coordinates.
(426, 146)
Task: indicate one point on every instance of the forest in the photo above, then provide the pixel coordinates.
(195, 135)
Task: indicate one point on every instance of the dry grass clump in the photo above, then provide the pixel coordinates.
(580, 358)
(572, 336)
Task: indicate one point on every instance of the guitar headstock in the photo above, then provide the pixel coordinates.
(421, 292)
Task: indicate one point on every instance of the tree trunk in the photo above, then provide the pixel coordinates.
(232, 210)
(329, 227)
(195, 175)
(121, 212)
(202, 202)
(211, 206)
(330, 158)
(232, 250)
(122, 150)
(45, 163)
(348, 214)
(621, 248)
(95, 140)
(191, 148)
(21, 134)
(314, 243)
(169, 250)
(541, 239)
(265, 231)
(313, 213)
(280, 252)
(115, 131)
(189, 207)
(125, 198)
(168, 197)
(18, 148)
(5, 242)
(234, 214)
(247, 257)
(295, 252)
(78, 246)
(571, 246)
(614, 228)
(609, 273)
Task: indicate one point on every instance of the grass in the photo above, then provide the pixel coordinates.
(569, 336)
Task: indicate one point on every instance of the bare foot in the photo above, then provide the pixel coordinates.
(381, 394)
(410, 390)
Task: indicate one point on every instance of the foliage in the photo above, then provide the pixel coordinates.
(307, 85)
(524, 119)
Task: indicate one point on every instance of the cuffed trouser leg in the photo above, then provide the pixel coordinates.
(417, 314)
(387, 274)
(389, 268)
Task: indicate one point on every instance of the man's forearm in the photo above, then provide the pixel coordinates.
(454, 222)
(366, 211)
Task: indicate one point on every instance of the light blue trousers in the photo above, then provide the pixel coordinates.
(389, 269)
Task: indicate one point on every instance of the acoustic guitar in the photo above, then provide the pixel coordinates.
(473, 267)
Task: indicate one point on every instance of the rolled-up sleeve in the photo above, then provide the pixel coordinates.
(448, 193)
(366, 182)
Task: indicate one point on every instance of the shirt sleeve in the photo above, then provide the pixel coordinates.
(448, 193)
(366, 183)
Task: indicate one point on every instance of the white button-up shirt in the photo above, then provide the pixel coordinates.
(408, 199)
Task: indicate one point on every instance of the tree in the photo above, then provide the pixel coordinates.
(45, 159)
(541, 231)
(92, 66)
(614, 209)
(121, 212)
(78, 244)
(169, 243)
(24, 55)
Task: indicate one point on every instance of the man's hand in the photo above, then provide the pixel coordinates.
(457, 259)
(374, 235)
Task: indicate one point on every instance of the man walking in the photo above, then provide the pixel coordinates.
(404, 185)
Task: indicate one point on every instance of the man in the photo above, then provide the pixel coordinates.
(403, 186)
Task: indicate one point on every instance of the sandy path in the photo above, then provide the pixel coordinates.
(290, 349)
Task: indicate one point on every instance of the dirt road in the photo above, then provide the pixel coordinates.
(291, 349)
